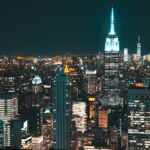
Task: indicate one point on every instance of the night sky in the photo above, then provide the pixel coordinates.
(56, 27)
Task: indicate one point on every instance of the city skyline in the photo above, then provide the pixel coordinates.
(56, 28)
(74, 75)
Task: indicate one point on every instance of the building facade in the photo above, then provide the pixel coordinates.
(138, 119)
(112, 62)
(62, 111)
(91, 82)
(8, 112)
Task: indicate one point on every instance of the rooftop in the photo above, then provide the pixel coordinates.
(6, 95)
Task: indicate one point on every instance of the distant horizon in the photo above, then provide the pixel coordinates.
(61, 55)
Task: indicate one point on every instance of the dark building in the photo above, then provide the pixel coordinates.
(62, 111)
(138, 119)
(16, 126)
(1, 133)
(33, 115)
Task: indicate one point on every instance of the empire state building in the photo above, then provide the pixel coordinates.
(112, 67)
(112, 42)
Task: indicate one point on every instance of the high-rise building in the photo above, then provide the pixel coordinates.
(138, 118)
(34, 117)
(125, 55)
(36, 82)
(112, 60)
(62, 111)
(16, 126)
(91, 79)
(91, 91)
(112, 41)
(139, 47)
(79, 116)
(1, 134)
(8, 112)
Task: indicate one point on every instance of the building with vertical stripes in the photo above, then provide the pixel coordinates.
(62, 111)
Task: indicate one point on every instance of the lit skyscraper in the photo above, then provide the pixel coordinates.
(139, 47)
(139, 119)
(112, 42)
(91, 79)
(91, 91)
(80, 116)
(112, 61)
(8, 111)
(125, 55)
(62, 111)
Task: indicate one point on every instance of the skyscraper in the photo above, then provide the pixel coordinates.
(112, 41)
(34, 117)
(125, 55)
(91, 79)
(8, 112)
(139, 47)
(112, 60)
(62, 108)
(138, 118)
(79, 116)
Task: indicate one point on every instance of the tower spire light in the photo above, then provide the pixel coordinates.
(112, 30)
(139, 46)
(112, 41)
(139, 38)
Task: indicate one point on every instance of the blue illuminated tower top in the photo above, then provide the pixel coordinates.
(112, 30)
(112, 41)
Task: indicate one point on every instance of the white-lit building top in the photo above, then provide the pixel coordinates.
(139, 47)
(36, 80)
(47, 111)
(90, 72)
(126, 55)
(112, 41)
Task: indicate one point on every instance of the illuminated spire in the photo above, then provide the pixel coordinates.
(112, 30)
(66, 69)
(139, 39)
(139, 46)
(112, 41)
